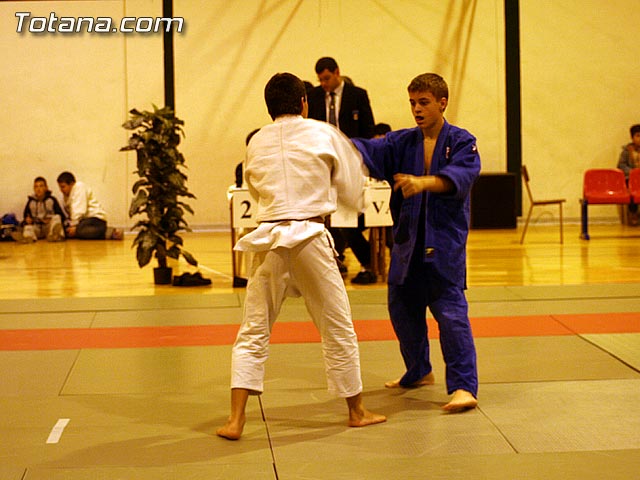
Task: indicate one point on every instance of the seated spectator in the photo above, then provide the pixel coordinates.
(87, 219)
(630, 159)
(43, 217)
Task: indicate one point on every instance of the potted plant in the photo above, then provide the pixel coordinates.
(157, 194)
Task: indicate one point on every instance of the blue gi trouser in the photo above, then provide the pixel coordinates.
(408, 311)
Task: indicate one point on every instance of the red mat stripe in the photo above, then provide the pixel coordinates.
(303, 332)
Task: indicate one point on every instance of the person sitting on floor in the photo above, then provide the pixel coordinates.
(43, 216)
(87, 219)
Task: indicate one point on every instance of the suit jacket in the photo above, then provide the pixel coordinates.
(355, 117)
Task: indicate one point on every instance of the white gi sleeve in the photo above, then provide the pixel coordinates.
(349, 173)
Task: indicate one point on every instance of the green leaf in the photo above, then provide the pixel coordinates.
(138, 203)
(189, 258)
(143, 254)
(140, 183)
(155, 136)
(187, 207)
(173, 252)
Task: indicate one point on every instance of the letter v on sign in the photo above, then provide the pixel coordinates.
(378, 214)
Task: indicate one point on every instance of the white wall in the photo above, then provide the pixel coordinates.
(65, 96)
(63, 100)
(231, 51)
(580, 92)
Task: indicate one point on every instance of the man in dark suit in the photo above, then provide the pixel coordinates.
(346, 106)
(353, 110)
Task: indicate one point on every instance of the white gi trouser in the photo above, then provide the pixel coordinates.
(293, 259)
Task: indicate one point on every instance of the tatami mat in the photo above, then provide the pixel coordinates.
(34, 374)
(11, 473)
(242, 471)
(559, 389)
(548, 359)
(566, 416)
(168, 317)
(575, 465)
(623, 346)
(560, 305)
(135, 430)
(149, 370)
(304, 422)
(159, 441)
(44, 319)
(199, 299)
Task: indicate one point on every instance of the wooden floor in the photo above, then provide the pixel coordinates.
(495, 257)
(104, 375)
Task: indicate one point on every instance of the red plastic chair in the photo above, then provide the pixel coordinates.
(602, 186)
(634, 185)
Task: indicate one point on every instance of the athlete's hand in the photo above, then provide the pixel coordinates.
(409, 184)
(412, 185)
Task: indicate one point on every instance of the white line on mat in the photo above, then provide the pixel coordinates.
(56, 431)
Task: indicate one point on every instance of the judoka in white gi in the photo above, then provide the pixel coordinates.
(297, 169)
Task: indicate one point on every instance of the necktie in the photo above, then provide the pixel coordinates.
(332, 110)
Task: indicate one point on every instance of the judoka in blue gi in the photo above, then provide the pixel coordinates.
(431, 169)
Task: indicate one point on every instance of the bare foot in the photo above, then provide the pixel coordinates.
(364, 417)
(232, 430)
(428, 379)
(360, 416)
(462, 400)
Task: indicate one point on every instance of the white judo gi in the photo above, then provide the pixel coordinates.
(298, 170)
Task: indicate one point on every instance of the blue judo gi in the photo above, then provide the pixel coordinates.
(428, 259)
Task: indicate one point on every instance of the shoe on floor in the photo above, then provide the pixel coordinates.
(190, 280)
(365, 277)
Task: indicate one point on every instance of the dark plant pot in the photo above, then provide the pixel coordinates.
(162, 275)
